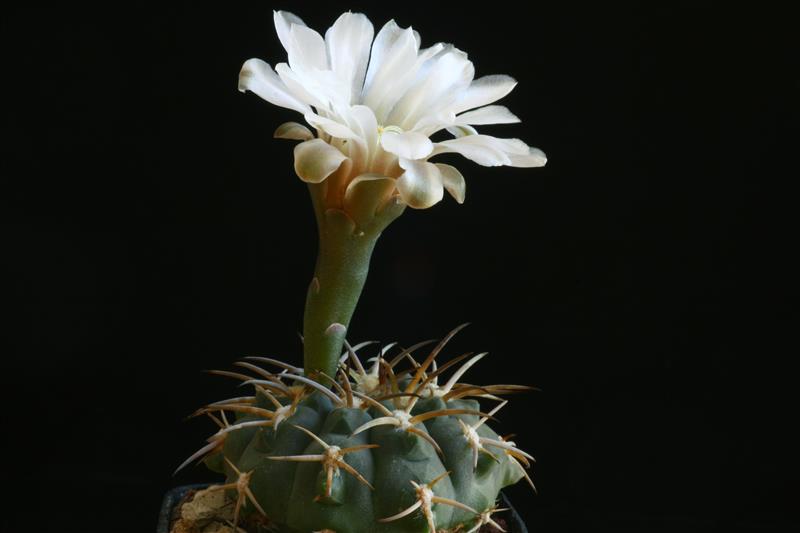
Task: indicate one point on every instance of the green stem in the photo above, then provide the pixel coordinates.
(339, 277)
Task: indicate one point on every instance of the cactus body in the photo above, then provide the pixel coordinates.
(406, 443)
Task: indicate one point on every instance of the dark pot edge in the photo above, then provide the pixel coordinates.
(173, 496)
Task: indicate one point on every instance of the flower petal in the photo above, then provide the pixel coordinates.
(434, 122)
(361, 121)
(306, 49)
(391, 68)
(315, 160)
(348, 42)
(420, 186)
(293, 131)
(534, 158)
(283, 25)
(522, 155)
(391, 40)
(491, 114)
(484, 91)
(300, 88)
(453, 182)
(331, 127)
(511, 146)
(483, 149)
(462, 130)
(439, 82)
(408, 144)
(258, 77)
(492, 151)
(365, 196)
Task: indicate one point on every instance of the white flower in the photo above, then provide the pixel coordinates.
(374, 106)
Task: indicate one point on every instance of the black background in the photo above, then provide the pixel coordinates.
(644, 279)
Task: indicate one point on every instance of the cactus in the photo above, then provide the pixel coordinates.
(332, 446)
(382, 450)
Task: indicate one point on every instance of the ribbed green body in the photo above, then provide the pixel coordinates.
(289, 491)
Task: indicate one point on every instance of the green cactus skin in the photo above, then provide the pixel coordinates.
(346, 242)
(294, 493)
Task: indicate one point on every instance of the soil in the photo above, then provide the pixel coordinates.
(203, 511)
(200, 514)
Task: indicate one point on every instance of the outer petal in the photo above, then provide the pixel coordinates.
(293, 131)
(258, 77)
(365, 196)
(315, 160)
(420, 186)
(348, 42)
(453, 182)
(491, 114)
(408, 145)
(484, 91)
